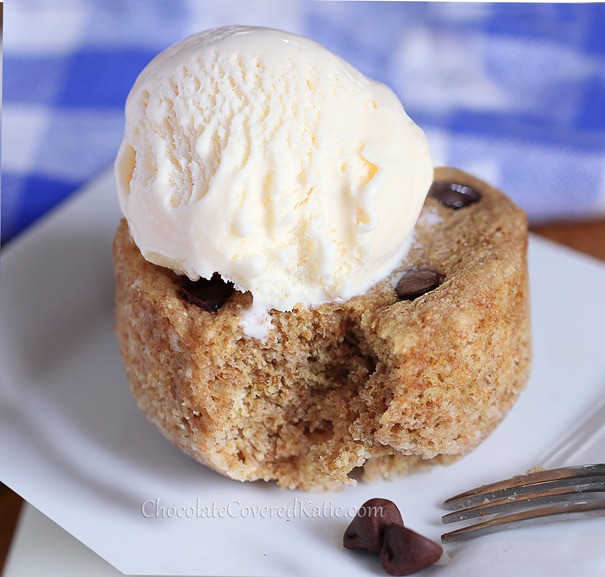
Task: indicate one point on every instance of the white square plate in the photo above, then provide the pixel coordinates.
(74, 444)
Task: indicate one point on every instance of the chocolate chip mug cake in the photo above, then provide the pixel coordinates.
(291, 305)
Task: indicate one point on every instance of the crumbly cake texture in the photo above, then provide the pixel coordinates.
(375, 382)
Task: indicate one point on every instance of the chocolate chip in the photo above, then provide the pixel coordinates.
(417, 281)
(405, 552)
(454, 195)
(366, 529)
(209, 295)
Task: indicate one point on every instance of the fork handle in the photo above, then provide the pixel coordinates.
(585, 433)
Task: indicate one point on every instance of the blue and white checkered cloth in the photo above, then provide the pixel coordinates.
(514, 93)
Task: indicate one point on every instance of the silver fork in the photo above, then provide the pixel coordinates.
(544, 494)
(525, 499)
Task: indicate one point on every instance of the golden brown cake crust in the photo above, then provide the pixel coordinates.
(373, 382)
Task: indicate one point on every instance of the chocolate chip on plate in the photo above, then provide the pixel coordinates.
(417, 281)
(209, 295)
(453, 194)
(366, 529)
(405, 552)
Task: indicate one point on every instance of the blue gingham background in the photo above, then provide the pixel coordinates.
(512, 92)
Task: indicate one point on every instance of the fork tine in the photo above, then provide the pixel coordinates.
(524, 484)
(522, 518)
(549, 496)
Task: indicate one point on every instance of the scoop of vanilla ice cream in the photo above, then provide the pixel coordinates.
(260, 155)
